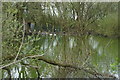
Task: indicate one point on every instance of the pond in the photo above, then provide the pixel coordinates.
(91, 52)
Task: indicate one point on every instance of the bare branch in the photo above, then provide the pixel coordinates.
(22, 40)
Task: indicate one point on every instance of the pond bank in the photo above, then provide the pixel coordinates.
(87, 32)
(102, 35)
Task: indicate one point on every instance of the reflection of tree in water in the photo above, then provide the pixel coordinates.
(72, 54)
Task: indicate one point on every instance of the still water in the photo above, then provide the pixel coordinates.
(93, 52)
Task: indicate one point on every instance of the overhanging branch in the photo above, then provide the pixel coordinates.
(55, 63)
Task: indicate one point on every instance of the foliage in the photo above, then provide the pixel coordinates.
(69, 17)
(76, 17)
(11, 29)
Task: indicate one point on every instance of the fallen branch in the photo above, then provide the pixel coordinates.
(52, 62)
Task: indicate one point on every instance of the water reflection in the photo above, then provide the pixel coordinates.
(93, 42)
(71, 50)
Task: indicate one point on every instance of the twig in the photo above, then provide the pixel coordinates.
(19, 61)
(28, 65)
(22, 40)
(12, 63)
(108, 43)
(86, 60)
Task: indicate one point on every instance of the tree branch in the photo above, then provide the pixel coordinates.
(22, 40)
(52, 62)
